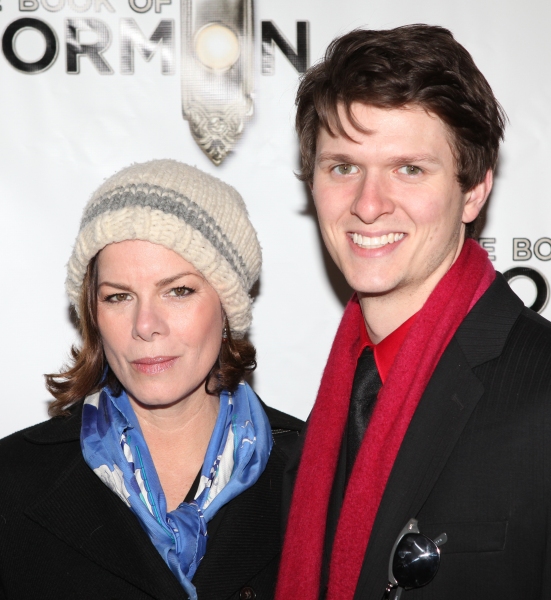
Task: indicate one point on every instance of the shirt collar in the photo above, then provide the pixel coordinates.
(386, 350)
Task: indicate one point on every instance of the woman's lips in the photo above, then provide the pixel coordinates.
(154, 365)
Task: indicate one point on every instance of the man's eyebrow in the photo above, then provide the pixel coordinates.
(412, 159)
(334, 157)
(406, 159)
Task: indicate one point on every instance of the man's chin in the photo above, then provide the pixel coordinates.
(372, 287)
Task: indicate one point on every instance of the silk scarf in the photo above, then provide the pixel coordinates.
(113, 446)
(436, 323)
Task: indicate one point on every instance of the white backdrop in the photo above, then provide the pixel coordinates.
(63, 133)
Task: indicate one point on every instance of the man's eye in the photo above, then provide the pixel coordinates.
(345, 169)
(410, 170)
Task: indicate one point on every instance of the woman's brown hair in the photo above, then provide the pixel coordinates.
(89, 370)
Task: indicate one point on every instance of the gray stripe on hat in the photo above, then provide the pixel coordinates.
(182, 207)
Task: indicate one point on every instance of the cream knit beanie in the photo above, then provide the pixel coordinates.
(198, 216)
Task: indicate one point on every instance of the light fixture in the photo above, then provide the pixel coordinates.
(217, 46)
(217, 72)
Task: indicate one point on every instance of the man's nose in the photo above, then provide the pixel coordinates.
(372, 199)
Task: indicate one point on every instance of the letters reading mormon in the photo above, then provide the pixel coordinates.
(426, 464)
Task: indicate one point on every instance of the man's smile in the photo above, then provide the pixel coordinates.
(364, 241)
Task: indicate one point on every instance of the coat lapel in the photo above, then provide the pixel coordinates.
(245, 536)
(446, 406)
(81, 511)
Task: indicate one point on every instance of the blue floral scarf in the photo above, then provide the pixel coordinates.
(113, 446)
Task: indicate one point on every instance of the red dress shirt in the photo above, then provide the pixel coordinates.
(386, 350)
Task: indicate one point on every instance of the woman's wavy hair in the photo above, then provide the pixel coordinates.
(418, 65)
(89, 370)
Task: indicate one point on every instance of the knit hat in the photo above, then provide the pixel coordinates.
(177, 206)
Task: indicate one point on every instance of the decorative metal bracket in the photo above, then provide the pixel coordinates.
(217, 72)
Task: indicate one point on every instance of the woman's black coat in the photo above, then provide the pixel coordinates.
(65, 535)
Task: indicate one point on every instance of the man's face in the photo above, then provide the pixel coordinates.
(390, 209)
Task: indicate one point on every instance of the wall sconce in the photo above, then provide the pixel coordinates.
(217, 72)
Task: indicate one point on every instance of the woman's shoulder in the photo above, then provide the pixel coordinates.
(37, 452)
(285, 428)
(280, 420)
(55, 430)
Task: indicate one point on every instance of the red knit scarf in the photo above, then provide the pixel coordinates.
(455, 295)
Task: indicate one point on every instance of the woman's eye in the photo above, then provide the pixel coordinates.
(180, 292)
(114, 298)
(345, 169)
(410, 170)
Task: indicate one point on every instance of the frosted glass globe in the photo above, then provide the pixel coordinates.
(217, 46)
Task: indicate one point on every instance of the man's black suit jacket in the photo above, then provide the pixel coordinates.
(476, 463)
(65, 536)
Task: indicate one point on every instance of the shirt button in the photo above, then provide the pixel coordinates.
(247, 593)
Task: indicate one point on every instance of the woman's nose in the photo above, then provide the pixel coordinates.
(149, 321)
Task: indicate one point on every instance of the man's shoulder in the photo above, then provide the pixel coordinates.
(529, 325)
(525, 355)
(531, 336)
(534, 321)
(499, 323)
(501, 299)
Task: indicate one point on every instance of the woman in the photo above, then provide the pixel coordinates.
(159, 474)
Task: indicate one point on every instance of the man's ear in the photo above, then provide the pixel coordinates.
(476, 198)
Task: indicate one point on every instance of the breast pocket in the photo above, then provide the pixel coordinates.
(487, 536)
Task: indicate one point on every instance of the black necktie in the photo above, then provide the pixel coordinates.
(365, 388)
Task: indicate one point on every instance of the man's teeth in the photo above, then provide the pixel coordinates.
(376, 242)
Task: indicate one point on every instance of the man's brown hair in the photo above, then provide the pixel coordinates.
(418, 65)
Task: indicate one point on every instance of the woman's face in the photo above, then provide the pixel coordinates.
(160, 322)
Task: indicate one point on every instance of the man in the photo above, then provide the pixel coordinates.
(435, 403)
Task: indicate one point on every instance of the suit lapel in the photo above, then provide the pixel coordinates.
(81, 511)
(438, 422)
(447, 404)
